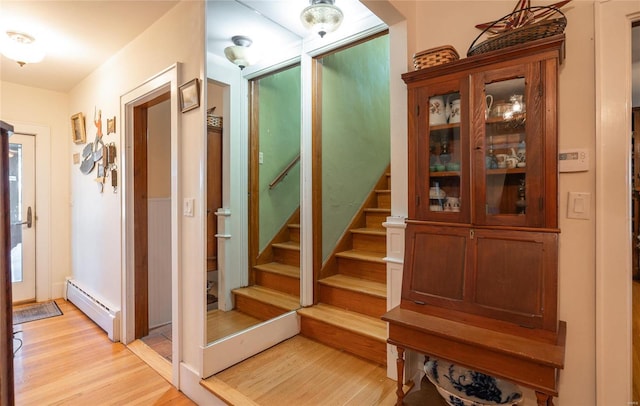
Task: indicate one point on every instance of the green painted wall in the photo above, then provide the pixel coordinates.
(355, 132)
(279, 127)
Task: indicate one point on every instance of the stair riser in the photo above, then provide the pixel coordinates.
(278, 282)
(354, 301)
(375, 219)
(384, 200)
(257, 309)
(372, 271)
(370, 242)
(284, 256)
(333, 336)
(294, 234)
(389, 182)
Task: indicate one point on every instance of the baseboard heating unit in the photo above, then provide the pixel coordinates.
(103, 315)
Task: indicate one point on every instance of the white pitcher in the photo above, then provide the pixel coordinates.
(437, 111)
(454, 115)
(489, 101)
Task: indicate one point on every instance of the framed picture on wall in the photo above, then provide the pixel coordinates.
(78, 131)
(190, 95)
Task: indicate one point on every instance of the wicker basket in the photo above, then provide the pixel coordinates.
(538, 30)
(213, 121)
(435, 56)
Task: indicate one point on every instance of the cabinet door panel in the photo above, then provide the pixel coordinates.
(439, 186)
(509, 160)
(436, 260)
(515, 276)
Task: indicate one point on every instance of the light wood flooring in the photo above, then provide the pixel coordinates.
(68, 360)
(301, 371)
(636, 340)
(223, 323)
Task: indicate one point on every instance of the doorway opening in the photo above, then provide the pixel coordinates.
(152, 214)
(150, 221)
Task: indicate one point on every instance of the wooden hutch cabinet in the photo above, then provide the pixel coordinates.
(481, 244)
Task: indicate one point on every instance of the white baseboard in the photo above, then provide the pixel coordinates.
(190, 386)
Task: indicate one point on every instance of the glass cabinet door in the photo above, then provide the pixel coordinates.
(509, 180)
(444, 148)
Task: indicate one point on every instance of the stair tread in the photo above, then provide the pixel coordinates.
(356, 284)
(293, 225)
(370, 230)
(287, 245)
(370, 256)
(271, 296)
(359, 323)
(383, 190)
(378, 210)
(280, 269)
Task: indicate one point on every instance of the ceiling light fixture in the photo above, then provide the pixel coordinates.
(240, 53)
(21, 47)
(321, 17)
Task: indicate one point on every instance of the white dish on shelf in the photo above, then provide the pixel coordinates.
(460, 386)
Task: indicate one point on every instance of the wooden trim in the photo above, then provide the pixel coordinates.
(316, 169)
(6, 314)
(141, 221)
(508, 56)
(254, 176)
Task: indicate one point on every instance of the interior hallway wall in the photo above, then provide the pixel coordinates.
(97, 231)
(29, 105)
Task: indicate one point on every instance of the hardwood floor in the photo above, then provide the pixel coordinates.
(224, 323)
(636, 339)
(301, 371)
(68, 360)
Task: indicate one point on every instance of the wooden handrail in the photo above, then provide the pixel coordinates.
(284, 172)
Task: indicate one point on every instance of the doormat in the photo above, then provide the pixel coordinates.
(36, 311)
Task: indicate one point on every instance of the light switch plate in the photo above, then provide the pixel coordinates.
(579, 205)
(187, 209)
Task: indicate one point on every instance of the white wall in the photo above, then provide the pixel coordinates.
(178, 36)
(22, 105)
(434, 23)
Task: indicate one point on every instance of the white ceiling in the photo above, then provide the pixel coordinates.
(80, 35)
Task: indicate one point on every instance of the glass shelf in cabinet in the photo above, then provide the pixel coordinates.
(505, 171)
(445, 174)
(443, 126)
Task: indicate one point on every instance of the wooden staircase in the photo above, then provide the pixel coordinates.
(352, 290)
(275, 287)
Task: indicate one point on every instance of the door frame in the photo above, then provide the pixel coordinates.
(42, 211)
(163, 82)
(613, 218)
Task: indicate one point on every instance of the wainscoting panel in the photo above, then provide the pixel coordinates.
(159, 261)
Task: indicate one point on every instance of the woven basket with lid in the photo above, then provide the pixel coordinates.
(435, 56)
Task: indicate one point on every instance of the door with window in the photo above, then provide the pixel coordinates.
(22, 215)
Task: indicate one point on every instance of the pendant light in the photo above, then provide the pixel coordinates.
(322, 16)
(20, 47)
(240, 53)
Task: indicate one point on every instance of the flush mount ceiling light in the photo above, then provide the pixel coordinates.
(321, 17)
(240, 53)
(20, 47)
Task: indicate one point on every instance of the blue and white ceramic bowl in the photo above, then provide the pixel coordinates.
(460, 386)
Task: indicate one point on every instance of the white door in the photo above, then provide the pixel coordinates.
(23, 218)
